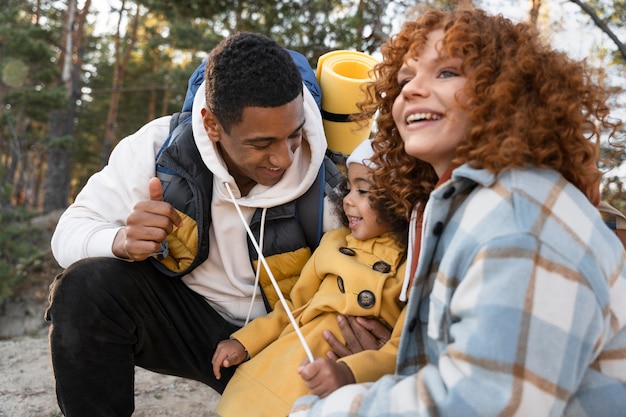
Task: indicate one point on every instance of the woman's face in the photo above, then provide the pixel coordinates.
(425, 112)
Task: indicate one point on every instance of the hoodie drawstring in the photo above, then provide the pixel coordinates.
(258, 266)
(292, 320)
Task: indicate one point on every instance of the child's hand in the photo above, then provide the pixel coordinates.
(228, 353)
(323, 376)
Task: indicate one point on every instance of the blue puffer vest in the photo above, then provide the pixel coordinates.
(188, 184)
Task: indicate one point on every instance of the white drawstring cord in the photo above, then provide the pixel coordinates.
(269, 273)
(409, 260)
(258, 267)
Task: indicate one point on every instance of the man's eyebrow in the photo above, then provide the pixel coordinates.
(299, 127)
(272, 138)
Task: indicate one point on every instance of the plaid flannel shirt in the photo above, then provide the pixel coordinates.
(518, 308)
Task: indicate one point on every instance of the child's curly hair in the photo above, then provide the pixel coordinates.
(529, 105)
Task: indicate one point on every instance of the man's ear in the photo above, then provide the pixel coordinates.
(211, 125)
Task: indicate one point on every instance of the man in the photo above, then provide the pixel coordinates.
(158, 269)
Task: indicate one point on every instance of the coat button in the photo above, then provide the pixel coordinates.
(366, 299)
(438, 229)
(347, 251)
(340, 284)
(381, 266)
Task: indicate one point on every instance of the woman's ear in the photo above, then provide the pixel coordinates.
(211, 125)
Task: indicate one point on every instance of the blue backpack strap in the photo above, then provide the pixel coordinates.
(193, 84)
(308, 76)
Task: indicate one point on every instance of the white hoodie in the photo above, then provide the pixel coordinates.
(226, 279)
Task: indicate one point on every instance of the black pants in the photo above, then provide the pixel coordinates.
(108, 316)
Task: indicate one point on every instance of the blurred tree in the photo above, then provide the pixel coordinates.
(604, 15)
(57, 182)
(123, 47)
(28, 92)
(609, 17)
(311, 27)
(164, 54)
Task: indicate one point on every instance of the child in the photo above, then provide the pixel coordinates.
(519, 293)
(355, 271)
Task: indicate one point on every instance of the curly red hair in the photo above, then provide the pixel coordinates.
(528, 105)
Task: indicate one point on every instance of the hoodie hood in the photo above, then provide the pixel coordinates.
(297, 178)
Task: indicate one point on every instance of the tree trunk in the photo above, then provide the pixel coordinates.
(61, 125)
(534, 12)
(57, 184)
(58, 171)
(121, 61)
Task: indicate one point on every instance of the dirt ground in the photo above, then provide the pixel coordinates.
(27, 386)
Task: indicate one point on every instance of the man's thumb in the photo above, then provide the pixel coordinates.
(155, 189)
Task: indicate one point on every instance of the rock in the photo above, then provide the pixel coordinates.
(20, 316)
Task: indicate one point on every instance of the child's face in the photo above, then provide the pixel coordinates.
(362, 218)
(424, 113)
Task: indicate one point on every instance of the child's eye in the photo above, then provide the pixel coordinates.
(361, 191)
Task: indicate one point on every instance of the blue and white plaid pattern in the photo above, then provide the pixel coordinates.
(518, 308)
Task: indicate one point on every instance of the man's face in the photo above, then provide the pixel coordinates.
(261, 147)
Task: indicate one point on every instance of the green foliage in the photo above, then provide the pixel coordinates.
(21, 245)
(29, 90)
(311, 27)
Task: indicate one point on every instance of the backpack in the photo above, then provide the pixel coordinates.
(311, 204)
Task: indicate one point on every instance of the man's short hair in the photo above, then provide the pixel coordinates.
(248, 69)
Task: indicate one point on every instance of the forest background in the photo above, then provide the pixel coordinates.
(77, 76)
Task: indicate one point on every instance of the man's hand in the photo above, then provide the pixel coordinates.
(323, 376)
(146, 226)
(228, 353)
(359, 333)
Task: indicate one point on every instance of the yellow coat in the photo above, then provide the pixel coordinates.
(334, 281)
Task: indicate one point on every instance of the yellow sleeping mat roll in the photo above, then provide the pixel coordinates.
(341, 75)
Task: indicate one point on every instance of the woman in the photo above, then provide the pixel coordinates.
(519, 288)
